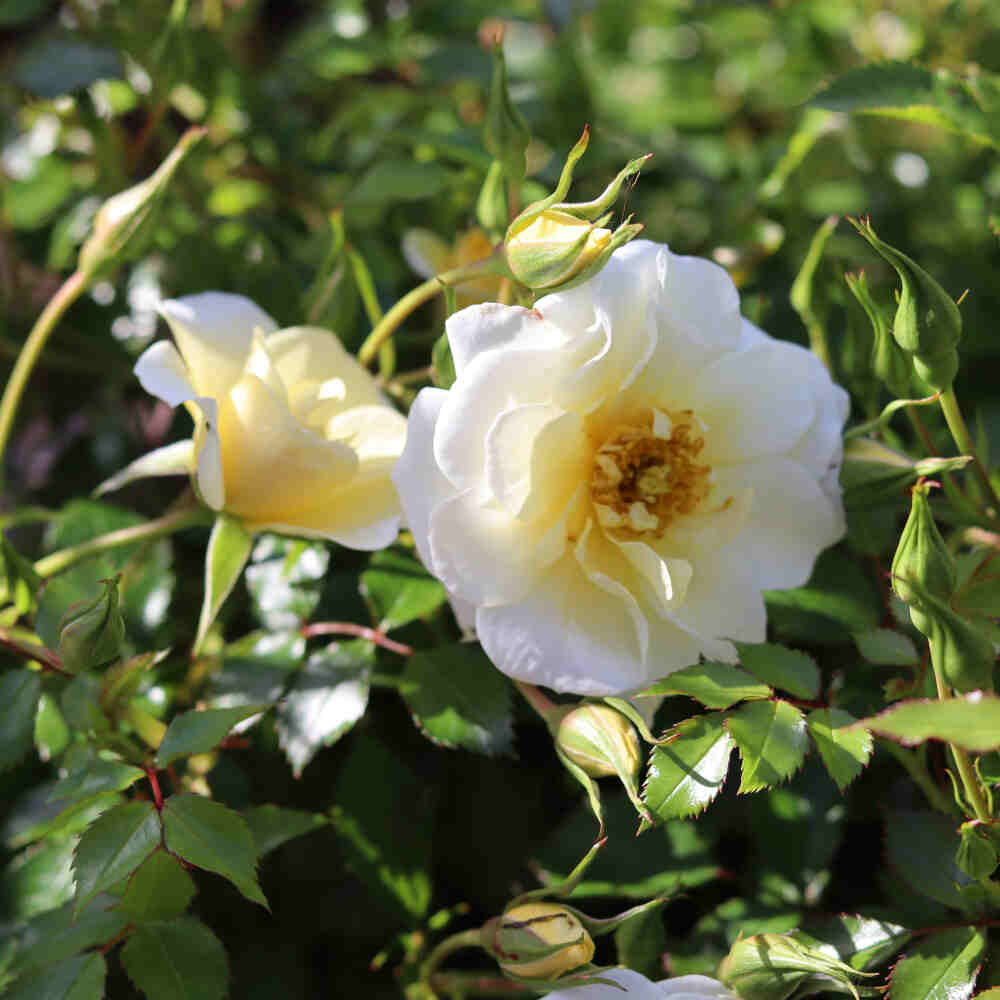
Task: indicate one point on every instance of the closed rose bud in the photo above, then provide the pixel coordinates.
(977, 850)
(538, 941)
(922, 558)
(600, 740)
(91, 633)
(776, 966)
(928, 324)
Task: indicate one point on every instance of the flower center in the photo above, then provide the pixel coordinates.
(647, 473)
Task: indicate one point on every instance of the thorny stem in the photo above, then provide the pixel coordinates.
(361, 631)
(70, 290)
(32, 651)
(960, 432)
(416, 298)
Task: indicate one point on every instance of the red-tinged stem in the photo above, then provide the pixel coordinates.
(154, 783)
(361, 631)
(32, 651)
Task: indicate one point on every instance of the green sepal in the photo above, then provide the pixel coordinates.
(91, 633)
(505, 132)
(886, 359)
(228, 551)
(928, 324)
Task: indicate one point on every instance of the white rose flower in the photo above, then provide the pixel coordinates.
(637, 987)
(617, 474)
(291, 433)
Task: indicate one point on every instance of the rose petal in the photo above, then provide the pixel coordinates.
(489, 326)
(536, 455)
(213, 332)
(171, 460)
(162, 373)
(757, 402)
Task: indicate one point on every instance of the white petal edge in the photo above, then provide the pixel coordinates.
(175, 459)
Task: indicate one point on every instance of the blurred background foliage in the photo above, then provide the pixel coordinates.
(364, 119)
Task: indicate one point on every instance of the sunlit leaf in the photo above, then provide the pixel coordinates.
(772, 739)
(845, 751)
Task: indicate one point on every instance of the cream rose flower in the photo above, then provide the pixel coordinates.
(291, 433)
(617, 474)
(633, 986)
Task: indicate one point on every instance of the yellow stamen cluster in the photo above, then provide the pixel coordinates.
(647, 473)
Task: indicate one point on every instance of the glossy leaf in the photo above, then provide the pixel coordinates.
(685, 774)
(781, 667)
(200, 731)
(459, 698)
(113, 847)
(400, 588)
(922, 846)
(97, 775)
(772, 739)
(56, 935)
(19, 694)
(715, 685)
(888, 647)
(78, 978)
(329, 694)
(376, 797)
(228, 550)
(940, 966)
(285, 580)
(210, 836)
(38, 880)
(273, 825)
(176, 960)
(845, 751)
(862, 942)
(160, 889)
(972, 721)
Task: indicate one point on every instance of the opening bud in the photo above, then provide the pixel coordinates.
(91, 633)
(554, 244)
(601, 741)
(538, 941)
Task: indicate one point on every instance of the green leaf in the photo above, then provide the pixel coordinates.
(839, 600)
(210, 836)
(641, 942)
(971, 722)
(781, 667)
(376, 797)
(400, 588)
(64, 64)
(921, 847)
(176, 960)
(941, 966)
(38, 880)
(273, 825)
(886, 647)
(200, 731)
(285, 580)
(329, 694)
(459, 698)
(686, 774)
(400, 180)
(862, 942)
(715, 685)
(97, 775)
(19, 694)
(113, 847)
(845, 751)
(77, 978)
(160, 889)
(903, 90)
(57, 935)
(65, 822)
(227, 554)
(772, 739)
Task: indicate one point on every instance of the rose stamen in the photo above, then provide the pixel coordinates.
(647, 474)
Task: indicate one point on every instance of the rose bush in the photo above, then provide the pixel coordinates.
(291, 433)
(633, 986)
(617, 474)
